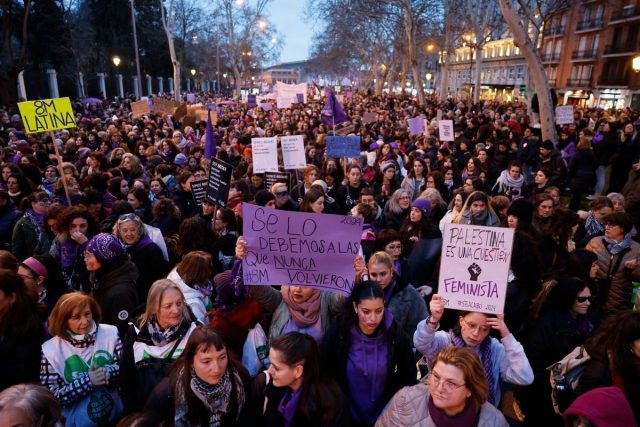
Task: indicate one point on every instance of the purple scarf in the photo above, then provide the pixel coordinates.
(487, 361)
(466, 418)
(289, 405)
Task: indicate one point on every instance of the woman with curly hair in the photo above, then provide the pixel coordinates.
(75, 226)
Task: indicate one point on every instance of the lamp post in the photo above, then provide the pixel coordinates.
(472, 45)
(116, 62)
(195, 82)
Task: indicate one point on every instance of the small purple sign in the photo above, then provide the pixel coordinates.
(302, 249)
(416, 125)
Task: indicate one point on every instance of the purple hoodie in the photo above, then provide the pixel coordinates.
(367, 371)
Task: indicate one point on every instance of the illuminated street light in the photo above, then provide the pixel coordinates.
(193, 71)
(262, 25)
(116, 60)
(635, 64)
(428, 76)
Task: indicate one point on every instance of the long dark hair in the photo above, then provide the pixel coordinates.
(202, 339)
(319, 394)
(22, 317)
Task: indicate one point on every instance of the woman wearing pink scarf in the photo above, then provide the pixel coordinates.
(294, 308)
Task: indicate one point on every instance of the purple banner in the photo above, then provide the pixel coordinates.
(302, 249)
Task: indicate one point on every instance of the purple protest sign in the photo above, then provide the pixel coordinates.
(303, 249)
(416, 125)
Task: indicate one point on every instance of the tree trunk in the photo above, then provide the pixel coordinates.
(536, 69)
(238, 76)
(476, 92)
(168, 24)
(410, 32)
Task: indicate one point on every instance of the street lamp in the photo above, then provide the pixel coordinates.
(116, 60)
(428, 76)
(193, 72)
(635, 64)
(262, 25)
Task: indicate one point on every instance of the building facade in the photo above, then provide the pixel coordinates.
(587, 51)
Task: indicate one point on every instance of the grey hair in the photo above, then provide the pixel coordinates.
(36, 403)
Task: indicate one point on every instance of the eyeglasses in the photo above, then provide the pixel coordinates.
(128, 217)
(282, 194)
(481, 328)
(584, 299)
(435, 380)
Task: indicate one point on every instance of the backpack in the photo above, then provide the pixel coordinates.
(565, 376)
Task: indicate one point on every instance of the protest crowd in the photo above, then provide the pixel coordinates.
(124, 298)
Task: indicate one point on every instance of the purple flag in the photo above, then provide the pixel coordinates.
(210, 148)
(332, 113)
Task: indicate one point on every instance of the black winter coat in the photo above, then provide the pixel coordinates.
(115, 290)
(582, 170)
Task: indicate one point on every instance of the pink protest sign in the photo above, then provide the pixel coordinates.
(474, 267)
(304, 249)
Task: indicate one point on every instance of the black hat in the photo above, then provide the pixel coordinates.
(521, 209)
(547, 145)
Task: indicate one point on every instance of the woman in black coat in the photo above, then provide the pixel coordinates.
(21, 332)
(293, 392)
(582, 169)
(368, 354)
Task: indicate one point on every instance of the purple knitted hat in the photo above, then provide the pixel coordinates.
(423, 204)
(105, 247)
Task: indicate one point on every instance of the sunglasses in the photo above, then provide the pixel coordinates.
(128, 217)
(584, 299)
(282, 194)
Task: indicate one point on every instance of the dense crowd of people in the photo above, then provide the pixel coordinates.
(122, 300)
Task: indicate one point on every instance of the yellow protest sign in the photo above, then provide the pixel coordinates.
(47, 114)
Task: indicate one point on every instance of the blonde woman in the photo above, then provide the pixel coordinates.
(154, 341)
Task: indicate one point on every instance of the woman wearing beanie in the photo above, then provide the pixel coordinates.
(265, 198)
(113, 280)
(600, 407)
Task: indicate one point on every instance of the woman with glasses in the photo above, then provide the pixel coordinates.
(144, 253)
(283, 199)
(502, 360)
(368, 354)
(455, 393)
(562, 326)
(29, 234)
(396, 210)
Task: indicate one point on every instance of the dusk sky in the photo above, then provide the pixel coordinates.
(288, 16)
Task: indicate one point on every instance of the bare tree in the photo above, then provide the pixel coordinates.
(14, 64)
(481, 18)
(516, 15)
(168, 23)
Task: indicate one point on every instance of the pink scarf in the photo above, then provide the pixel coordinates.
(306, 313)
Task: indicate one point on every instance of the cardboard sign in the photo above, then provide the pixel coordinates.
(47, 114)
(189, 121)
(445, 128)
(218, 182)
(369, 117)
(564, 114)
(180, 112)
(266, 106)
(302, 249)
(474, 267)
(140, 108)
(165, 106)
(343, 146)
(293, 152)
(251, 101)
(199, 190)
(271, 178)
(265, 154)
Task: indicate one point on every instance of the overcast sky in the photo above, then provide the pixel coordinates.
(288, 16)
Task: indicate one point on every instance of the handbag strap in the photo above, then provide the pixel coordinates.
(612, 271)
(173, 350)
